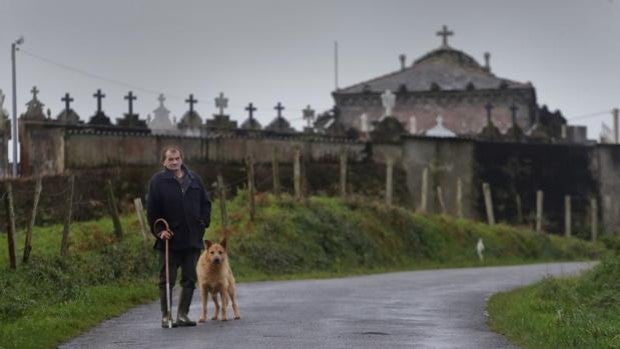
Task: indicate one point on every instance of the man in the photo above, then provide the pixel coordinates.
(178, 195)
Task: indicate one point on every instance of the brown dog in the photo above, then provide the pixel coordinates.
(216, 277)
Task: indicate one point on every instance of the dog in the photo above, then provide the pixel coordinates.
(216, 277)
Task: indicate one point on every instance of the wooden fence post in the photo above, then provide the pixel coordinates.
(442, 204)
(567, 216)
(275, 169)
(222, 196)
(424, 189)
(343, 174)
(251, 185)
(389, 186)
(297, 173)
(459, 198)
(488, 202)
(113, 209)
(594, 218)
(28, 242)
(539, 210)
(10, 212)
(64, 244)
(137, 204)
(519, 209)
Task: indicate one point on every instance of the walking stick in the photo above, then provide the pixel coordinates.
(168, 300)
(167, 266)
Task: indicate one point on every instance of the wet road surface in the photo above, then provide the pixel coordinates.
(421, 309)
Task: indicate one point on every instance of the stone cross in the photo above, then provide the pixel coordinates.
(99, 96)
(488, 107)
(389, 100)
(221, 102)
(439, 120)
(34, 92)
(413, 125)
(191, 102)
(251, 109)
(130, 97)
(444, 33)
(161, 99)
(279, 108)
(364, 123)
(308, 115)
(67, 99)
(514, 109)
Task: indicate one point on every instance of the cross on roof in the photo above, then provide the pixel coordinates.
(279, 108)
(34, 92)
(130, 97)
(99, 96)
(444, 33)
(251, 109)
(514, 109)
(191, 102)
(67, 99)
(488, 107)
(309, 115)
(161, 99)
(221, 102)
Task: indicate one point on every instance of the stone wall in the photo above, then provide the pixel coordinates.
(606, 162)
(447, 160)
(556, 169)
(582, 171)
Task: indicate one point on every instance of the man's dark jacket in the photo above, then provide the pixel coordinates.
(188, 214)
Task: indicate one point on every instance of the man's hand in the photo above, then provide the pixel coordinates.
(165, 235)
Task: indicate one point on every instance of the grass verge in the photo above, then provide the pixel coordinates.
(577, 312)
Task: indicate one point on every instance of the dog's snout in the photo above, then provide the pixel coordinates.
(216, 260)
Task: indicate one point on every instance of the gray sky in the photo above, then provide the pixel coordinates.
(266, 51)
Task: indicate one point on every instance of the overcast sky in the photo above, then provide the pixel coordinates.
(269, 51)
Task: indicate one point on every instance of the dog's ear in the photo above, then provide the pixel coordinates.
(223, 242)
(208, 244)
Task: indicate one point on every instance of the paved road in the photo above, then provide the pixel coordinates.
(422, 309)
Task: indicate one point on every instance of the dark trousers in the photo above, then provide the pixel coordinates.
(184, 259)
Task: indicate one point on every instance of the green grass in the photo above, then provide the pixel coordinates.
(57, 298)
(578, 312)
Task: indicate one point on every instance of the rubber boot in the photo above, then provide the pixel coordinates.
(164, 312)
(184, 302)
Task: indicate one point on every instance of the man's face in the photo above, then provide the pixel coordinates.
(173, 160)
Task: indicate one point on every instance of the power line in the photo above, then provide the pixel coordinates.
(94, 76)
(590, 115)
(122, 83)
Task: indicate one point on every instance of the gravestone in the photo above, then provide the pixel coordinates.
(68, 115)
(191, 122)
(34, 109)
(221, 121)
(99, 118)
(279, 124)
(251, 123)
(130, 119)
(160, 123)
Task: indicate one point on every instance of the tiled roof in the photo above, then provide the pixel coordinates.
(444, 69)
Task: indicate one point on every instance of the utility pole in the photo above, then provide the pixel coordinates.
(13, 49)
